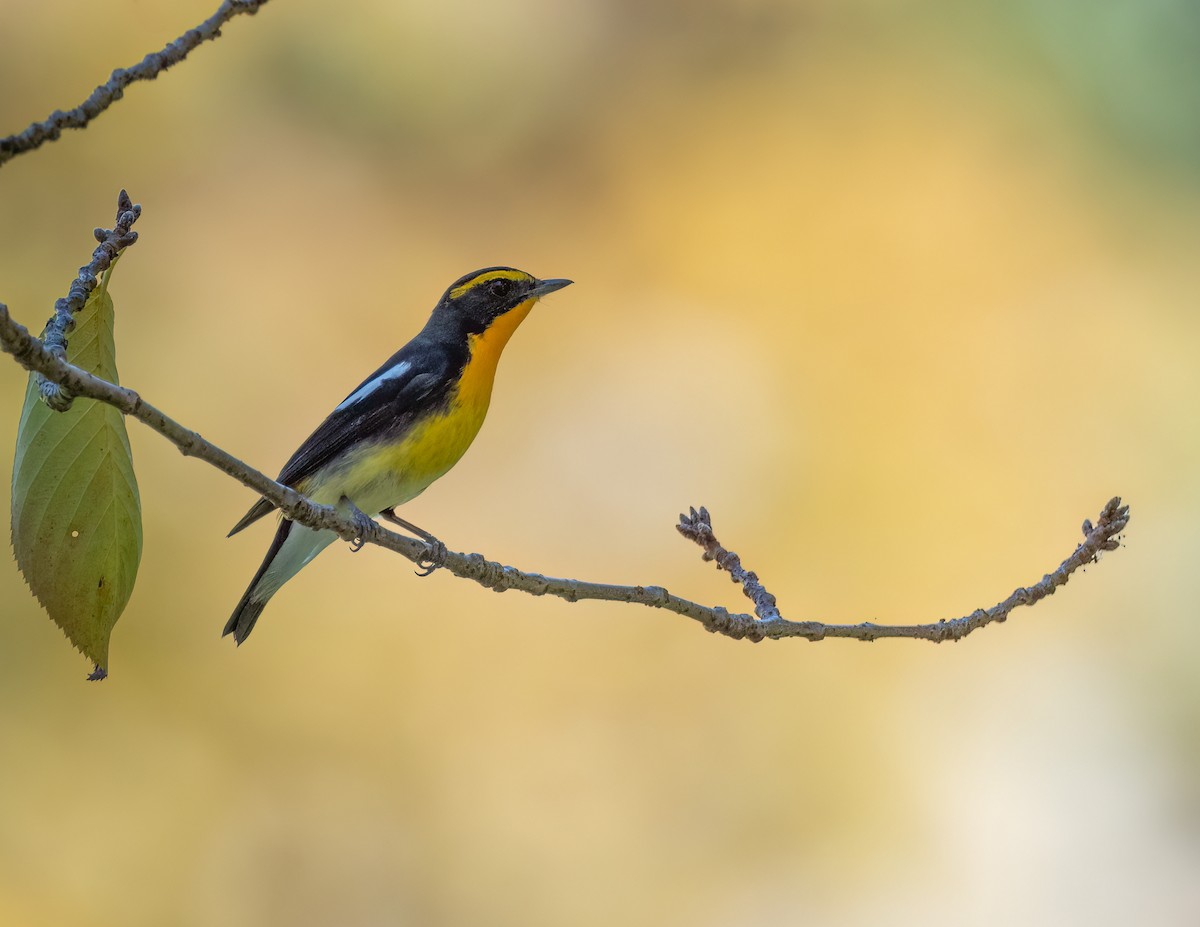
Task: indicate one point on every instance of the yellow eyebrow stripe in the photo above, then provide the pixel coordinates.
(484, 278)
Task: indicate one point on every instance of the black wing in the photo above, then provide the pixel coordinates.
(414, 381)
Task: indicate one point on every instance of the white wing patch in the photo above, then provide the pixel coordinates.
(374, 383)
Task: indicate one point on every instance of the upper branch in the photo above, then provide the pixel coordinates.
(54, 337)
(113, 89)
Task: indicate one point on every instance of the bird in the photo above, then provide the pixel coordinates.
(400, 429)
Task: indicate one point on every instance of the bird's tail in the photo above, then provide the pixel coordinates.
(244, 617)
(294, 546)
(257, 594)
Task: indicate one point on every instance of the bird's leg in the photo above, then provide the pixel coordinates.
(435, 553)
(362, 522)
(390, 515)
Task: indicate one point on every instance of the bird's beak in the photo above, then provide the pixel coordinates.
(542, 287)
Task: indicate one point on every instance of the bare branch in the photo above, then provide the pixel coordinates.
(54, 336)
(113, 89)
(48, 360)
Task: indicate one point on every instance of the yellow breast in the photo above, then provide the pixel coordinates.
(380, 477)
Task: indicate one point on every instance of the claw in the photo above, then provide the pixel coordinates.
(435, 556)
(363, 523)
(435, 550)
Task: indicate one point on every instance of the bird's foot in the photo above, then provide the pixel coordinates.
(434, 557)
(363, 524)
(435, 550)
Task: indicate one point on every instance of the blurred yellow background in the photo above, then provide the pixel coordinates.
(901, 291)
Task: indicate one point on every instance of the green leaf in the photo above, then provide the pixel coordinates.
(76, 513)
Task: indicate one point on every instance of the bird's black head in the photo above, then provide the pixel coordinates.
(479, 298)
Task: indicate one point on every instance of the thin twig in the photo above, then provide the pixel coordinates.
(33, 355)
(54, 336)
(698, 527)
(113, 89)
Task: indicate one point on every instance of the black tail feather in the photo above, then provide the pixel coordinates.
(245, 616)
(257, 511)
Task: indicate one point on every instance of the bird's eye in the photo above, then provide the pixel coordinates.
(500, 288)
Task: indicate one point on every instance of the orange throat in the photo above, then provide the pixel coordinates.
(475, 385)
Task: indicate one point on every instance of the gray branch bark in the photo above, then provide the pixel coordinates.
(104, 96)
(767, 624)
(112, 242)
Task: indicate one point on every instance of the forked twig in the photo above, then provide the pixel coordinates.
(697, 526)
